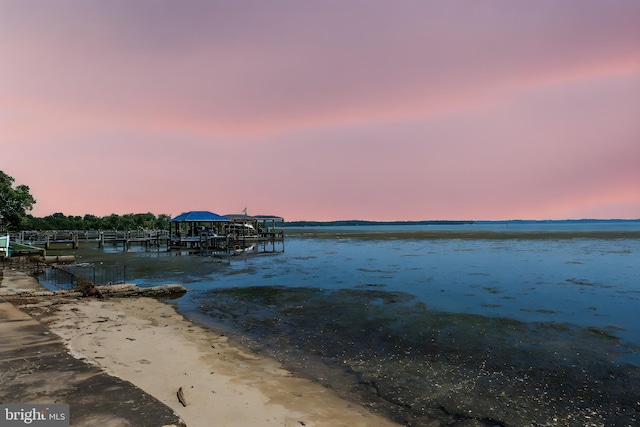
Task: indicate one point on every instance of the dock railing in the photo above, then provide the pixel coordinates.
(151, 239)
(99, 237)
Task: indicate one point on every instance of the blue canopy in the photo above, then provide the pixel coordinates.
(199, 216)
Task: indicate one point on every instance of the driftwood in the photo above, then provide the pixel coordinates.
(163, 291)
(88, 289)
(59, 259)
(113, 291)
(181, 398)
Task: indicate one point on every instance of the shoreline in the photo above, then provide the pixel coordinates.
(148, 343)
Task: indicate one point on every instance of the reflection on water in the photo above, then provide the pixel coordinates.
(458, 328)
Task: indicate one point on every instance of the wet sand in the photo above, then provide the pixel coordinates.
(148, 343)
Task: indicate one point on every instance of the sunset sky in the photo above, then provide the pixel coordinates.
(324, 110)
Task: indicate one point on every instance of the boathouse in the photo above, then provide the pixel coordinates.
(198, 230)
(263, 224)
(206, 231)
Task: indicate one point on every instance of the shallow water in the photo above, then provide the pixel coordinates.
(587, 282)
(501, 324)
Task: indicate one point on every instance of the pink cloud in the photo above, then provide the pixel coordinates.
(324, 110)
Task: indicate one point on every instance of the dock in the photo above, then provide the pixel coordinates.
(209, 233)
(160, 240)
(101, 238)
(201, 232)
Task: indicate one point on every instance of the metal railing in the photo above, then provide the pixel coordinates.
(70, 276)
(26, 264)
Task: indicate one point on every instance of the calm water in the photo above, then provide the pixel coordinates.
(492, 323)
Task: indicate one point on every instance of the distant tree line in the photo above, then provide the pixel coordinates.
(354, 222)
(131, 221)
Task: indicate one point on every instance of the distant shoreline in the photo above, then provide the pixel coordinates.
(342, 223)
(363, 222)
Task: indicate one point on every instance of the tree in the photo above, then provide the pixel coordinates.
(14, 203)
(131, 221)
(91, 222)
(162, 223)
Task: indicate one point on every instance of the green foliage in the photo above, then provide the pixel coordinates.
(14, 203)
(131, 221)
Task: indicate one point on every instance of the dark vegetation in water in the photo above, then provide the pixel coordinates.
(425, 367)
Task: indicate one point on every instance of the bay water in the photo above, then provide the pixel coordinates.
(490, 323)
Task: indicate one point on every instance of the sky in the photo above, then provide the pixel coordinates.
(324, 109)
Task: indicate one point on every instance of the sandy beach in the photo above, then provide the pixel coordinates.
(148, 343)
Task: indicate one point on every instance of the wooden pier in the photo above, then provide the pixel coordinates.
(152, 240)
(196, 231)
(101, 238)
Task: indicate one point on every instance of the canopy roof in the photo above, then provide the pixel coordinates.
(238, 216)
(200, 216)
(269, 217)
(254, 217)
